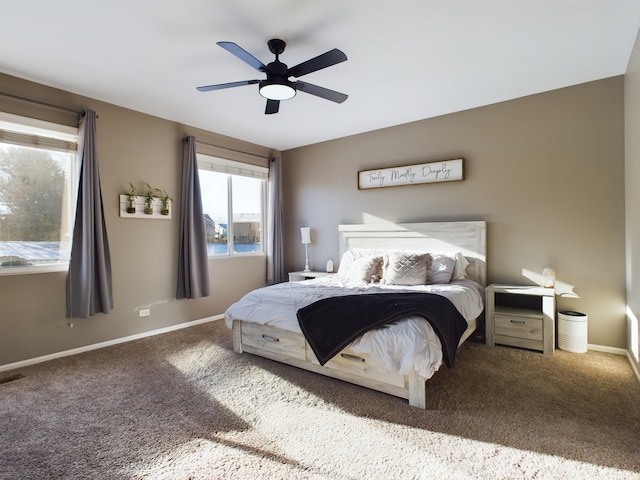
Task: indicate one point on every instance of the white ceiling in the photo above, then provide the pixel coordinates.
(407, 59)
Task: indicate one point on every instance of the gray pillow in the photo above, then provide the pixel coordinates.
(406, 268)
(442, 269)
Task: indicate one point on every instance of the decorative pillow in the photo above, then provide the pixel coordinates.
(406, 268)
(460, 270)
(345, 263)
(360, 266)
(442, 268)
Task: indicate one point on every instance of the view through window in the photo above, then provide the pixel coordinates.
(38, 177)
(236, 191)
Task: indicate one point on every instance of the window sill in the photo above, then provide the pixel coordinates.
(237, 255)
(57, 267)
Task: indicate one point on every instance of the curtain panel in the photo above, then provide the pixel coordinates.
(89, 288)
(193, 260)
(275, 245)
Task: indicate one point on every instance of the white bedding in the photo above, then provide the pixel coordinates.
(401, 346)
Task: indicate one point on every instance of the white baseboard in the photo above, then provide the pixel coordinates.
(633, 366)
(95, 346)
(605, 349)
(617, 351)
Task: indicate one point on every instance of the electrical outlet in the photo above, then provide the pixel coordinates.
(145, 312)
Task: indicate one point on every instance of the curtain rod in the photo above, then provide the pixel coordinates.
(268, 157)
(45, 104)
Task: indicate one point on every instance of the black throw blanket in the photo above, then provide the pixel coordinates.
(330, 324)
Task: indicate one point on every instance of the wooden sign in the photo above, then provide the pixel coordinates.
(430, 172)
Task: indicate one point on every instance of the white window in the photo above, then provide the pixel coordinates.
(38, 185)
(236, 191)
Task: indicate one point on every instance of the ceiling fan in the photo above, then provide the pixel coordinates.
(277, 85)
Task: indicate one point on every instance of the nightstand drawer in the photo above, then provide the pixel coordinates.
(529, 328)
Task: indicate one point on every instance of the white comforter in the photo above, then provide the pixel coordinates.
(401, 346)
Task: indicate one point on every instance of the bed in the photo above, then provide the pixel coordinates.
(400, 357)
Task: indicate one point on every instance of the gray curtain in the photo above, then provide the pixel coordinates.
(89, 289)
(275, 245)
(193, 261)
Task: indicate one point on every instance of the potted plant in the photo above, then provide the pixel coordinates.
(148, 198)
(165, 199)
(131, 199)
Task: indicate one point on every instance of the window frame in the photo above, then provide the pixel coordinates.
(232, 168)
(32, 132)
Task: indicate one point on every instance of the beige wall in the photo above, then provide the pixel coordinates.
(545, 171)
(632, 177)
(132, 147)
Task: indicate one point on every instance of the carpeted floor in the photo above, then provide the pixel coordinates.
(184, 406)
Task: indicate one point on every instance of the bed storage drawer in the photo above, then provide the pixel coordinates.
(274, 340)
(361, 365)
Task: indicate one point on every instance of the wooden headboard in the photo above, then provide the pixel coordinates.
(469, 238)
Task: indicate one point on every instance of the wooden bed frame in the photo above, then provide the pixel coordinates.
(291, 347)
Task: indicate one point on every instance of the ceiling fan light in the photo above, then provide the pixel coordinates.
(274, 90)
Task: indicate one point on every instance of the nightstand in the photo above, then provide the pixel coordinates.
(302, 275)
(521, 316)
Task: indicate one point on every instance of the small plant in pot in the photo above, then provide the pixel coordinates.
(131, 199)
(165, 199)
(148, 198)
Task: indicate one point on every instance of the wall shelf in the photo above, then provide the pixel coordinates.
(139, 203)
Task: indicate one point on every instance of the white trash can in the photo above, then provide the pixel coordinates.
(572, 331)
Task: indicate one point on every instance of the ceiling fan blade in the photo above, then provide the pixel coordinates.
(243, 55)
(272, 107)
(220, 86)
(321, 92)
(317, 63)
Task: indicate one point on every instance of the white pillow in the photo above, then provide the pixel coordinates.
(345, 263)
(360, 266)
(406, 268)
(460, 270)
(442, 268)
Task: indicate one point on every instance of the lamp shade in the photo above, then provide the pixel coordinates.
(305, 233)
